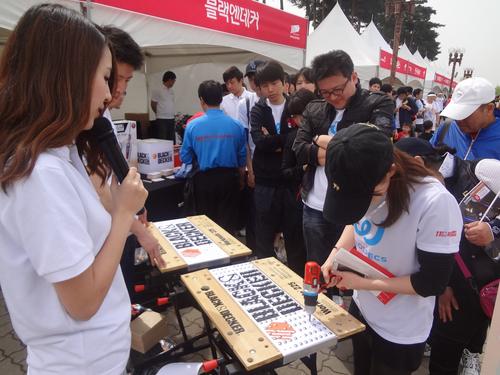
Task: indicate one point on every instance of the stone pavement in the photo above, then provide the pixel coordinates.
(330, 361)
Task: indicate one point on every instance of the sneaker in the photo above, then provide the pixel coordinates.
(470, 363)
(427, 350)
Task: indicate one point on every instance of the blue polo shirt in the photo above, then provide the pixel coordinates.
(486, 145)
(217, 141)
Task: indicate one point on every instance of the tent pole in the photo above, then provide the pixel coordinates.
(146, 78)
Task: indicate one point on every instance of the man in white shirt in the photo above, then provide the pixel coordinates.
(129, 58)
(233, 78)
(162, 103)
(432, 110)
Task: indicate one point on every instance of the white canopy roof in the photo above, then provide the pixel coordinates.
(405, 53)
(195, 54)
(149, 31)
(374, 39)
(336, 32)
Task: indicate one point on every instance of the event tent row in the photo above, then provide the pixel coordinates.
(195, 51)
(365, 50)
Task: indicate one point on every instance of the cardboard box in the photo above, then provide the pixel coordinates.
(155, 155)
(147, 329)
(126, 134)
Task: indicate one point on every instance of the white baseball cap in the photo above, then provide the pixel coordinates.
(468, 96)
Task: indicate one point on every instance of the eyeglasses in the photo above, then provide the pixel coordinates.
(338, 91)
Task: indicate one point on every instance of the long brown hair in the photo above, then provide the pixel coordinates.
(46, 78)
(409, 171)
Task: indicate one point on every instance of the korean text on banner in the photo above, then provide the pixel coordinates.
(240, 17)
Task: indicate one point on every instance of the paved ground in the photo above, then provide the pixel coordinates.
(334, 361)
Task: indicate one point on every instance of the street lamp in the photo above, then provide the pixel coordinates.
(468, 72)
(455, 57)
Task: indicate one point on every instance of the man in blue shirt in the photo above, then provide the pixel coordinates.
(216, 145)
(475, 131)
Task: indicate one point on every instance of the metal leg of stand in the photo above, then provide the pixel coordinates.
(211, 339)
(311, 363)
(178, 313)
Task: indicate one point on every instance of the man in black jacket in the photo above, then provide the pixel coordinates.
(269, 129)
(344, 103)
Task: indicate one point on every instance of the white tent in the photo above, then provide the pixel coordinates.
(376, 42)
(336, 32)
(374, 39)
(194, 54)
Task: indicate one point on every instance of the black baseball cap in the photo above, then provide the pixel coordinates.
(357, 159)
(415, 146)
(252, 66)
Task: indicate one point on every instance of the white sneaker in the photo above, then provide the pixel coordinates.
(470, 363)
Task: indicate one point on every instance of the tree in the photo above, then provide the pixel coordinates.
(419, 32)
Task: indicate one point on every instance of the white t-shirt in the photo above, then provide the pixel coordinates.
(399, 102)
(420, 105)
(244, 115)
(433, 224)
(316, 197)
(230, 103)
(52, 225)
(431, 110)
(165, 98)
(277, 110)
(107, 115)
(439, 104)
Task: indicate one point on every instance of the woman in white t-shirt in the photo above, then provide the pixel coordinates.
(59, 248)
(401, 217)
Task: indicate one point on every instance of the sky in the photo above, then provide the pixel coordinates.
(470, 25)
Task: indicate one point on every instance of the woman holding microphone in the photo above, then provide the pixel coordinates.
(399, 215)
(59, 248)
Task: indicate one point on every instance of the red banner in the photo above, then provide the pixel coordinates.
(403, 66)
(240, 17)
(442, 80)
(416, 70)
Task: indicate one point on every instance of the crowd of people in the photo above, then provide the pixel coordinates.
(314, 155)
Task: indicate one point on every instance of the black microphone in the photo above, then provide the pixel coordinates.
(105, 136)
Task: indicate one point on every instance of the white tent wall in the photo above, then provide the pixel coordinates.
(208, 65)
(193, 53)
(375, 42)
(162, 38)
(336, 32)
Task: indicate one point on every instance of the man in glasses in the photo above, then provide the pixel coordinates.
(343, 103)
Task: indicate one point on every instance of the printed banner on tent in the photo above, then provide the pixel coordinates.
(240, 17)
(442, 80)
(403, 66)
(416, 70)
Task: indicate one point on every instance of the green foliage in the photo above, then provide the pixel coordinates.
(419, 32)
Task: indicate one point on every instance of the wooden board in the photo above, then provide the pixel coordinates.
(172, 260)
(223, 239)
(242, 335)
(253, 336)
(226, 242)
(328, 312)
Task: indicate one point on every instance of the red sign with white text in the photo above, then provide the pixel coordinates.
(416, 70)
(403, 66)
(442, 80)
(240, 17)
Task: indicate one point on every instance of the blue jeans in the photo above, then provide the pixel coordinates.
(320, 236)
